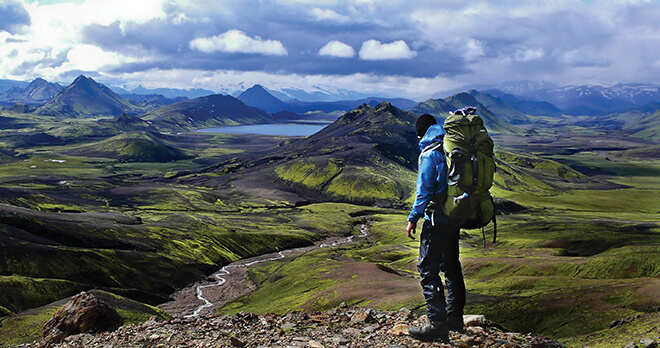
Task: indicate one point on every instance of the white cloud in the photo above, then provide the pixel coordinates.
(92, 58)
(53, 43)
(102, 12)
(375, 50)
(329, 15)
(526, 55)
(473, 49)
(336, 48)
(236, 41)
(180, 18)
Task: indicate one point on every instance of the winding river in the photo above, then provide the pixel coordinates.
(231, 283)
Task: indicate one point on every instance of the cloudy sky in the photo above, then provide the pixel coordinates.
(404, 48)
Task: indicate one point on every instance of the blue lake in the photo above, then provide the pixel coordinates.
(286, 129)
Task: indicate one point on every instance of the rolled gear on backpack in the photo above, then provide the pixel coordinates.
(469, 152)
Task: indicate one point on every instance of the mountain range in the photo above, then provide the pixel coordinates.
(585, 99)
(171, 93)
(260, 97)
(573, 100)
(316, 94)
(503, 112)
(533, 97)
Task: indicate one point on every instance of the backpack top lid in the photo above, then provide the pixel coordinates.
(468, 110)
(464, 126)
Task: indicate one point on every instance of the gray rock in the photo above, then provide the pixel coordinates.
(648, 343)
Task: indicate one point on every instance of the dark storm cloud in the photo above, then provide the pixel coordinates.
(295, 28)
(13, 16)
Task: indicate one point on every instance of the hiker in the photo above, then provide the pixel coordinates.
(438, 249)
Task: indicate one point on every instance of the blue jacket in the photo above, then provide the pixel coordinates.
(431, 176)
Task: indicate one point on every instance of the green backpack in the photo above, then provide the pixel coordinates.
(470, 168)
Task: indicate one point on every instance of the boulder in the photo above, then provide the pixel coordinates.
(84, 313)
(475, 320)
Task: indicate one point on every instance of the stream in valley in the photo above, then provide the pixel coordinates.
(231, 283)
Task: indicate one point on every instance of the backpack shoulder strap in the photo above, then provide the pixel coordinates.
(433, 146)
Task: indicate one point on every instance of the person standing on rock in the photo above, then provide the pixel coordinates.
(438, 249)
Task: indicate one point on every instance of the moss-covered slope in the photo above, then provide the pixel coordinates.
(132, 147)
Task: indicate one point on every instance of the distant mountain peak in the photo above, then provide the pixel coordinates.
(36, 92)
(83, 79)
(257, 96)
(369, 121)
(85, 97)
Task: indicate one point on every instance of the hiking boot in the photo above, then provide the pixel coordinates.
(431, 332)
(455, 323)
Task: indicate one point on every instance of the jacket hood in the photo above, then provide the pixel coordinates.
(433, 134)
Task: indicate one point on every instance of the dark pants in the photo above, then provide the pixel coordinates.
(438, 251)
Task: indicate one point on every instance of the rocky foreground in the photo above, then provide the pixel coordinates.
(340, 327)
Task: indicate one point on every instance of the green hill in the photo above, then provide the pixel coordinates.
(132, 147)
(518, 172)
(648, 126)
(642, 123)
(87, 98)
(210, 111)
(81, 129)
(441, 107)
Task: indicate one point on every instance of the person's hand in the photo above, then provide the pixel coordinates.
(410, 229)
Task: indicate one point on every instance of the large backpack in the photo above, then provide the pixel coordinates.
(470, 168)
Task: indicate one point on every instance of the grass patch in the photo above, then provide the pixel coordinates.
(309, 174)
(619, 336)
(27, 327)
(358, 184)
(19, 293)
(297, 284)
